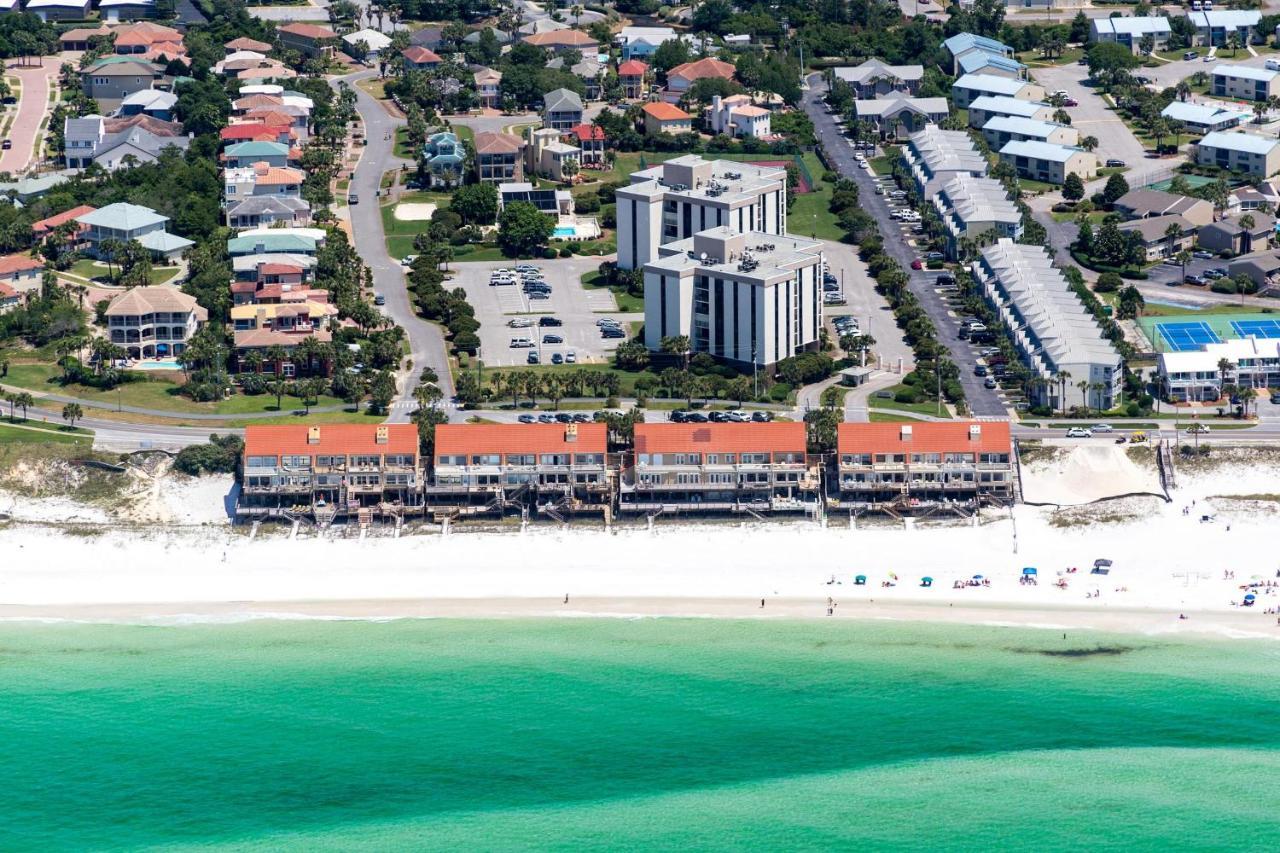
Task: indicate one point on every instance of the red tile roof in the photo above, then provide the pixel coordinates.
(7, 293)
(632, 68)
(587, 132)
(45, 225)
(420, 55)
(465, 439)
(703, 68)
(310, 31)
(779, 437)
(925, 437)
(11, 264)
(252, 130)
(279, 269)
(561, 38)
(333, 439)
(243, 43)
(663, 111)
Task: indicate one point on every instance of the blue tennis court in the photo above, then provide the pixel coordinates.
(1257, 328)
(1188, 336)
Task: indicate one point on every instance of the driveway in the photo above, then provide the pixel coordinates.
(32, 104)
(982, 401)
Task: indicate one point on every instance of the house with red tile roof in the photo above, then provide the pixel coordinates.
(661, 117)
(559, 41)
(419, 57)
(150, 40)
(680, 78)
(9, 297)
(21, 272)
(44, 227)
(561, 468)
(906, 466)
(308, 39)
(632, 74)
(721, 467)
(254, 131)
(245, 43)
(330, 471)
(590, 139)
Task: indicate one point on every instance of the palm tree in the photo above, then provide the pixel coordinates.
(1184, 90)
(1063, 377)
(1176, 128)
(278, 388)
(1184, 258)
(1172, 232)
(1233, 41)
(1247, 395)
(12, 400)
(1089, 143)
(24, 401)
(1083, 385)
(71, 413)
(553, 387)
(1224, 367)
(1259, 110)
(1247, 223)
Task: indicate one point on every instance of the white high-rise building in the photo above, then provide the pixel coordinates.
(748, 298)
(687, 195)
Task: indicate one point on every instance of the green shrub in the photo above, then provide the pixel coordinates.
(906, 395)
(566, 252)
(550, 254)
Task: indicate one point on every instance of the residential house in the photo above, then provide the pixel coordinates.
(272, 241)
(632, 74)
(1262, 267)
(1195, 375)
(9, 298)
(488, 88)
(112, 11)
(256, 131)
(21, 273)
(1044, 161)
(934, 156)
(1231, 235)
(548, 156)
(267, 211)
(114, 78)
(80, 39)
(974, 211)
(686, 195)
(27, 190)
(419, 58)
(124, 222)
(248, 267)
(1214, 28)
(908, 466)
(58, 10)
(153, 322)
(1001, 130)
(560, 467)
(1159, 237)
(720, 467)
(257, 327)
(963, 44)
(1132, 31)
(1203, 118)
(276, 283)
(150, 41)
(138, 143)
(680, 78)
(1146, 203)
(46, 227)
(559, 41)
(589, 139)
(641, 42)
(1244, 82)
(1252, 155)
(261, 179)
(972, 86)
(981, 62)
(661, 117)
(443, 159)
(366, 45)
(1052, 330)
(329, 469)
(561, 109)
(749, 298)
(499, 157)
(875, 78)
(152, 102)
(987, 107)
(737, 116)
(896, 117)
(243, 154)
(311, 40)
(244, 43)
(432, 38)
(249, 66)
(553, 202)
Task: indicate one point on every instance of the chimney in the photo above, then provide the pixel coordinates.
(904, 432)
(571, 433)
(975, 432)
(313, 435)
(381, 436)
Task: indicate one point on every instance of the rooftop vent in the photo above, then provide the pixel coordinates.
(905, 432)
(975, 432)
(571, 433)
(381, 435)
(313, 435)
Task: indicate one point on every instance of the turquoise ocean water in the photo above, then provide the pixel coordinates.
(612, 734)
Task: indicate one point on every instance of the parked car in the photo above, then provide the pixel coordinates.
(917, 264)
(571, 357)
(1072, 102)
(533, 357)
(1079, 432)
(990, 382)
(979, 370)
(550, 321)
(520, 343)
(546, 419)
(352, 198)
(1202, 255)
(761, 417)
(1275, 399)
(609, 332)
(557, 358)
(407, 260)
(605, 321)
(379, 299)
(1115, 163)
(679, 416)
(1221, 272)
(1197, 429)
(527, 419)
(582, 418)
(552, 339)
(564, 418)
(519, 322)
(695, 418)
(539, 294)
(935, 256)
(1192, 54)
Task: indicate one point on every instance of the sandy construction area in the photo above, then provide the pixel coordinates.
(414, 211)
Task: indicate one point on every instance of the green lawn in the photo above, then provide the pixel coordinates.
(1095, 217)
(154, 393)
(1154, 310)
(928, 408)
(626, 302)
(1033, 57)
(44, 434)
(1108, 171)
(626, 163)
(402, 147)
(91, 269)
(883, 165)
(1032, 186)
(889, 418)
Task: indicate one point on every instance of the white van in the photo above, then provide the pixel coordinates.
(1273, 65)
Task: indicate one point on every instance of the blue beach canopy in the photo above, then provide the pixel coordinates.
(977, 577)
(1250, 597)
(927, 580)
(1029, 571)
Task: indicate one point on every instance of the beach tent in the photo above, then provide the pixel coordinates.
(1101, 563)
(1029, 571)
(926, 581)
(977, 577)
(860, 580)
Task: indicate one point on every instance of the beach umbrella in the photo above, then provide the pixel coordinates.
(893, 576)
(1103, 562)
(1250, 597)
(977, 577)
(926, 581)
(1029, 571)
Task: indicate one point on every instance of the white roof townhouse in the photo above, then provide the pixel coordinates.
(1213, 28)
(1257, 156)
(934, 156)
(1203, 118)
(1045, 161)
(1001, 130)
(1129, 31)
(971, 207)
(987, 107)
(973, 86)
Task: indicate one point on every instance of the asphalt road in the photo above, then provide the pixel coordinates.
(983, 402)
(426, 342)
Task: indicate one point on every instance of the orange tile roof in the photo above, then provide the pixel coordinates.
(244, 43)
(776, 437)
(420, 55)
(703, 68)
(663, 111)
(257, 101)
(254, 130)
(466, 439)
(310, 31)
(632, 68)
(279, 269)
(45, 225)
(7, 292)
(491, 142)
(334, 439)
(587, 132)
(270, 117)
(10, 264)
(926, 437)
(146, 32)
(560, 38)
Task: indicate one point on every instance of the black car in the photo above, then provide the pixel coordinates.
(612, 333)
(761, 417)
(550, 321)
(564, 418)
(1114, 163)
(552, 339)
(695, 418)
(979, 370)
(679, 416)
(718, 418)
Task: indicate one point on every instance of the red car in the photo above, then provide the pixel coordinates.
(1072, 102)
(917, 264)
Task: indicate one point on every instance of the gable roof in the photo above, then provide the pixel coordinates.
(492, 142)
(309, 31)
(420, 55)
(121, 67)
(703, 68)
(561, 38)
(52, 222)
(586, 132)
(1239, 142)
(245, 43)
(990, 83)
(10, 264)
(560, 100)
(632, 68)
(149, 299)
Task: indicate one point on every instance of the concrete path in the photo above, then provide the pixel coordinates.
(32, 106)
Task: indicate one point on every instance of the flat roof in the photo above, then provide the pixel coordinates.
(1007, 105)
(1041, 150)
(990, 83)
(1245, 72)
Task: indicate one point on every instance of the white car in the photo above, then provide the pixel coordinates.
(1079, 432)
(520, 322)
(866, 165)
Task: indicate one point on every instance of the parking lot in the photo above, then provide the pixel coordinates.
(576, 307)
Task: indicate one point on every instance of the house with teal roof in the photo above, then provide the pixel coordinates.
(443, 159)
(271, 244)
(123, 222)
(245, 154)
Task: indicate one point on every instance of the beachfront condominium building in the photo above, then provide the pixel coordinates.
(934, 156)
(972, 86)
(1197, 375)
(153, 322)
(1256, 156)
(555, 467)
(987, 107)
(974, 211)
(1055, 335)
(1215, 26)
(1159, 238)
(1133, 32)
(875, 78)
(726, 467)
(327, 470)
(1002, 130)
(1244, 82)
(686, 195)
(897, 116)
(914, 466)
(750, 298)
(1045, 161)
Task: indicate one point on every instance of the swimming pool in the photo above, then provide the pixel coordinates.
(156, 364)
(564, 232)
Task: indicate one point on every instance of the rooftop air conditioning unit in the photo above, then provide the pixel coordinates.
(380, 436)
(975, 432)
(313, 435)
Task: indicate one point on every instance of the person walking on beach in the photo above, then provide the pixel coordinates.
(566, 598)
(762, 604)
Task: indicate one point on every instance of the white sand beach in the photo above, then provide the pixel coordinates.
(1166, 562)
